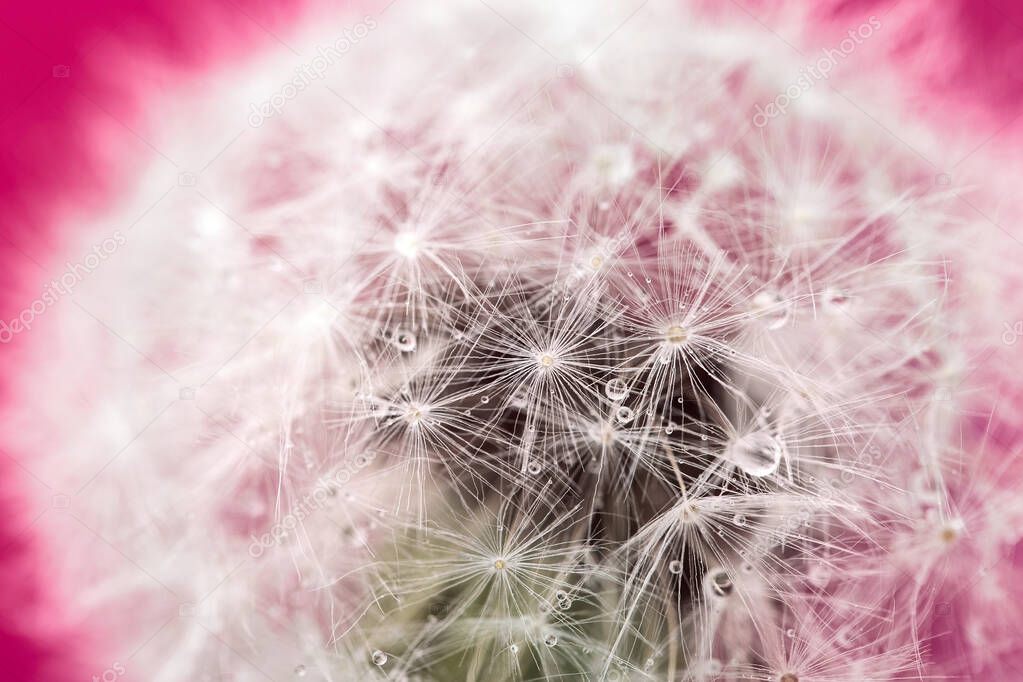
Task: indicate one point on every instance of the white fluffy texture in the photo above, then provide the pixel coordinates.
(452, 138)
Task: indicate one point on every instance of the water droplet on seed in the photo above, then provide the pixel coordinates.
(616, 389)
(404, 340)
(379, 658)
(719, 583)
(675, 567)
(757, 453)
(624, 415)
(551, 640)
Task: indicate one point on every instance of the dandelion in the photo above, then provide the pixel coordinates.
(545, 374)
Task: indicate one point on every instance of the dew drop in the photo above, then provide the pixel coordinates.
(379, 658)
(300, 671)
(624, 415)
(670, 428)
(675, 567)
(719, 583)
(648, 665)
(551, 640)
(739, 519)
(757, 453)
(484, 400)
(404, 340)
(790, 633)
(647, 280)
(533, 468)
(514, 648)
(616, 389)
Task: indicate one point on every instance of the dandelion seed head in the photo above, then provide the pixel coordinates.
(557, 366)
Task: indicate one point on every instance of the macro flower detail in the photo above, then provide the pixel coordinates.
(526, 343)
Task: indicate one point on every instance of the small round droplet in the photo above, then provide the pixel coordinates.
(404, 340)
(514, 648)
(379, 658)
(551, 640)
(670, 428)
(484, 400)
(648, 665)
(533, 468)
(740, 520)
(675, 567)
(790, 633)
(300, 671)
(719, 583)
(757, 453)
(624, 415)
(616, 389)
